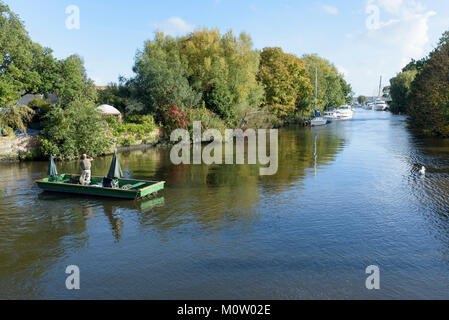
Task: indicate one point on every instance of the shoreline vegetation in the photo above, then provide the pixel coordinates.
(218, 79)
(421, 91)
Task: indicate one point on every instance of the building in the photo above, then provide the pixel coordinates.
(109, 110)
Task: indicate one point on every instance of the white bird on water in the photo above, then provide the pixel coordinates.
(422, 171)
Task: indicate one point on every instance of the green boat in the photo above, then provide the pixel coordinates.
(128, 189)
(125, 188)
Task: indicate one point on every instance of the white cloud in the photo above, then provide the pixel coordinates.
(330, 9)
(406, 30)
(174, 26)
(401, 33)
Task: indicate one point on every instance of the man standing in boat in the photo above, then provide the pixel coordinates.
(85, 165)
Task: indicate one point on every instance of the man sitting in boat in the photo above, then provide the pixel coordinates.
(85, 166)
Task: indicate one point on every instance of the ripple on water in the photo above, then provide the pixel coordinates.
(345, 196)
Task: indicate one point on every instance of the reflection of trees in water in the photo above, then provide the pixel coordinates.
(432, 190)
(219, 196)
(40, 228)
(137, 163)
(297, 149)
(31, 242)
(213, 197)
(113, 211)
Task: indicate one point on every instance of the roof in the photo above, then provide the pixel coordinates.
(107, 109)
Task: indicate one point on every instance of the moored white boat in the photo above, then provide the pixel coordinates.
(345, 112)
(331, 115)
(318, 121)
(380, 105)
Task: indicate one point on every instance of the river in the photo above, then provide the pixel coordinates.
(224, 232)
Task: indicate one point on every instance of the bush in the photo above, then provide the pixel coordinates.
(127, 141)
(135, 126)
(16, 117)
(140, 119)
(209, 120)
(8, 131)
(174, 118)
(76, 129)
(41, 104)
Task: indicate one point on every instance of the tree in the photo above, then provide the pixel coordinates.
(27, 67)
(346, 89)
(202, 68)
(286, 82)
(400, 91)
(70, 80)
(8, 92)
(16, 53)
(429, 97)
(415, 65)
(333, 91)
(334, 95)
(161, 77)
(75, 129)
(224, 69)
(362, 99)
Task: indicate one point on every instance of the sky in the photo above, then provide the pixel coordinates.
(364, 39)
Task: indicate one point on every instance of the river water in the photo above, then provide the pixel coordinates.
(224, 232)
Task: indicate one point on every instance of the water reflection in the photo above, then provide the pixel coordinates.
(345, 196)
(39, 228)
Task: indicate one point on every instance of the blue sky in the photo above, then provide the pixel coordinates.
(363, 38)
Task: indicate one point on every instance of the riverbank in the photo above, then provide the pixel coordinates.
(26, 148)
(18, 148)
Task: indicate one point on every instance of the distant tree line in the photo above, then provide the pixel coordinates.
(421, 91)
(224, 75)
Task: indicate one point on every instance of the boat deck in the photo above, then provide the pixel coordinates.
(128, 188)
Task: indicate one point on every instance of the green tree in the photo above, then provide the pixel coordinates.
(75, 129)
(161, 77)
(400, 91)
(333, 91)
(346, 89)
(71, 81)
(224, 69)
(362, 99)
(415, 65)
(286, 82)
(8, 92)
(334, 96)
(16, 53)
(27, 67)
(429, 97)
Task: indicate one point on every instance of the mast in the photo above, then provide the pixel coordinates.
(380, 86)
(316, 88)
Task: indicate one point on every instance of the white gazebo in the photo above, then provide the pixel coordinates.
(107, 109)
